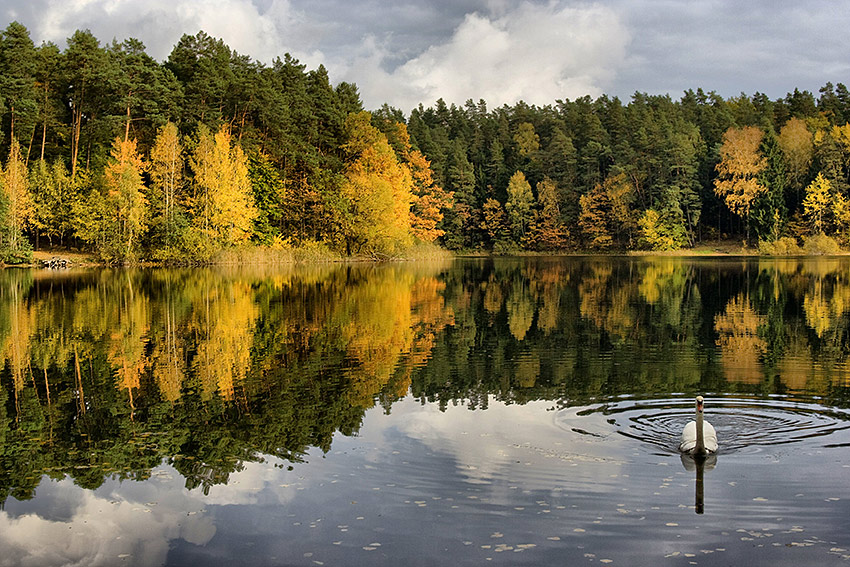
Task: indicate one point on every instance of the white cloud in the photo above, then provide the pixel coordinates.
(260, 34)
(536, 53)
(104, 528)
(486, 444)
(133, 523)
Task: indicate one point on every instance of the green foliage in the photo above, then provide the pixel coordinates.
(659, 233)
(518, 206)
(704, 164)
(269, 196)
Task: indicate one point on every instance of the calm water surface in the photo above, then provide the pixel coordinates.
(516, 411)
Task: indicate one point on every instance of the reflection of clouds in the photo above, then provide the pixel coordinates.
(131, 524)
(488, 444)
(248, 486)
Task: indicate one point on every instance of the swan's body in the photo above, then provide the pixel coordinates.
(698, 437)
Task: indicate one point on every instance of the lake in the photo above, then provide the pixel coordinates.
(509, 411)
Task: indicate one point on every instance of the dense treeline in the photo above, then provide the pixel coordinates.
(103, 147)
(106, 148)
(652, 173)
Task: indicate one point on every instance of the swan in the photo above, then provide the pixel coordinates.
(698, 437)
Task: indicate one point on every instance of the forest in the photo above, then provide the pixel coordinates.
(107, 150)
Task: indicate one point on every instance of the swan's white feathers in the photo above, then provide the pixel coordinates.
(689, 437)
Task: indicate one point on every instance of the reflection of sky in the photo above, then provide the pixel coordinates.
(428, 486)
(130, 522)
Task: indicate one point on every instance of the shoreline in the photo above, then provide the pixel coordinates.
(717, 249)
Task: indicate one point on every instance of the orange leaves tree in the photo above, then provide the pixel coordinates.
(741, 162)
(428, 199)
(607, 212)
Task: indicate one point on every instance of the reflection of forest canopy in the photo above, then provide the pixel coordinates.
(110, 373)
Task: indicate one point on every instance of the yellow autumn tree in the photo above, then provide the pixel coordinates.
(223, 203)
(373, 212)
(816, 205)
(16, 193)
(607, 212)
(549, 232)
(738, 172)
(166, 170)
(796, 143)
(124, 202)
(518, 206)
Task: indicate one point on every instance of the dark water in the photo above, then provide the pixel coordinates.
(517, 411)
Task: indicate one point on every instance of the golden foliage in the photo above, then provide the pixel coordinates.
(527, 140)
(377, 192)
(797, 145)
(817, 202)
(521, 307)
(223, 202)
(14, 183)
(428, 200)
(740, 164)
(125, 198)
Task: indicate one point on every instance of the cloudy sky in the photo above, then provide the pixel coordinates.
(407, 52)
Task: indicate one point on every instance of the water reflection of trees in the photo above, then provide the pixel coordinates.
(109, 373)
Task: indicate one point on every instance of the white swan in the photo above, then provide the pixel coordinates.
(698, 437)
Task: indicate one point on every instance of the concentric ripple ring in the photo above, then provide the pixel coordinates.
(742, 423)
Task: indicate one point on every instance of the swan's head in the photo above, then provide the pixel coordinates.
(699, 403)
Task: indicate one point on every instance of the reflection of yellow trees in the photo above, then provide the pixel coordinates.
(593, 292)
(607, 303)
(127, 336)
(20, 325)
(520, 307)
(493, 296)
(376, 331)
(167, 357)
(741, 348)
(430, 315)
(223, 317)
(550, 281)
(528, 369)
(656, 278)
(116, 312)
(387, 325)
(827, 299)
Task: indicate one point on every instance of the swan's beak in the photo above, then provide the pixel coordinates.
(699, 405)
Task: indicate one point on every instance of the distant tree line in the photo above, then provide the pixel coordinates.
(653, 173)
(105, 148)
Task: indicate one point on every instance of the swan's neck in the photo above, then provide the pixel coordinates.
(700, 446)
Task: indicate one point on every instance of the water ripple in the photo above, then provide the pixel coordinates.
(742, 424)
